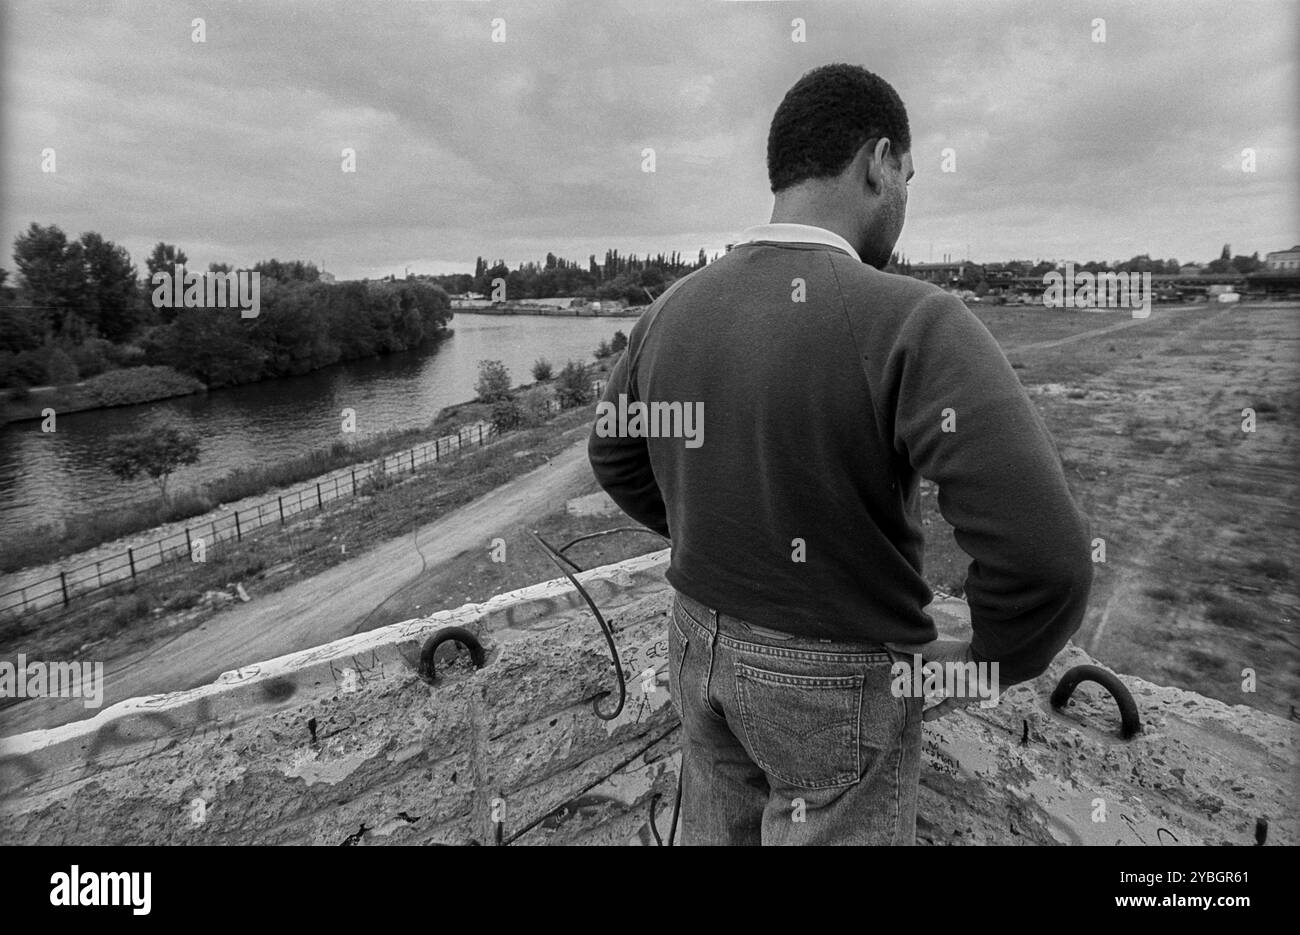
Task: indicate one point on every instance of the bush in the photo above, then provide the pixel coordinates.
(91, 357)
(603, 350)
(183, 600)
(537, 409)
(30, 368)
(127, 609)
(59, 368)
(618, 343)
(506, 415)
(542, 370)
(493, 381)
(572, 386)
(379, 479)
(138, 385)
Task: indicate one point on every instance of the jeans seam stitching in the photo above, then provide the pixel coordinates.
(898, 770)
(678, 692)
(808, 655)
(708, 681)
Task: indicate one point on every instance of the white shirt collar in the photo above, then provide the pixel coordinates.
(798, 233)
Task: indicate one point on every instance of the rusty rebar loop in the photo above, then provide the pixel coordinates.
(605, 628)
(460, 635)
(1130, 722)
(609, 532)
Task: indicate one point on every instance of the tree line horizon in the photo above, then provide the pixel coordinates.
(80, 308)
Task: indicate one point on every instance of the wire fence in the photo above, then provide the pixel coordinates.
(60, 589)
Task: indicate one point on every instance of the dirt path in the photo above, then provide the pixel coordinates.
(1085, 335)
(318, 610)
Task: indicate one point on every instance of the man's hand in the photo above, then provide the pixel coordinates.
(945, 652)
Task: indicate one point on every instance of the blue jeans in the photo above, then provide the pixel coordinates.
(789, 740)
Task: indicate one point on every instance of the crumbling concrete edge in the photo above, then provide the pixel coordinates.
(255, 690)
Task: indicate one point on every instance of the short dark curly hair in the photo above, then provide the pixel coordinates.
(825, 119)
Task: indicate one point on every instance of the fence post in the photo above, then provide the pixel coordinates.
(189, 546)
(320, 504)
(214, 532)
(239, 533)
(63, 583)
(354, 482)
(130, 555)
(281, 499)
(412, 460)
(480, 434)
(437, 444)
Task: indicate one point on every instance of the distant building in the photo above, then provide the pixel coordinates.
(998, 274)
(946, 274)
(1283, 260)
(561, 302)
(1189, 269)
(326, 277)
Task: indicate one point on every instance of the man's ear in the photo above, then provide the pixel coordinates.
(873, 154)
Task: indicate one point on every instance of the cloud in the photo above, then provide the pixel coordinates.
(232, 148)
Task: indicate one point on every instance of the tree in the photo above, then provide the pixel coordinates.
(110, 278)
(602, 349)
(542, 370)
(211, 347)
(164, 257)
(572, 386)
(1247, 264)
(618, 342)
(156, 453)
(53, 277)
(493, 381)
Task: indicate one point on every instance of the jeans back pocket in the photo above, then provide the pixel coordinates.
(802, 729)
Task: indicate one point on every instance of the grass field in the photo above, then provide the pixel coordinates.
(1198, 516)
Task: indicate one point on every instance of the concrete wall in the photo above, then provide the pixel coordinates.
(395, 760)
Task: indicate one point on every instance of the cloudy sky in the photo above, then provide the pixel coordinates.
(232, 148)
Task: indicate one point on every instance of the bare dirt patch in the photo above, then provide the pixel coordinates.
(1200, 518)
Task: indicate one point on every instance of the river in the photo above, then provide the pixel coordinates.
(47, 477)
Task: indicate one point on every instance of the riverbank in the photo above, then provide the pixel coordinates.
(128, 387)
(550, 311)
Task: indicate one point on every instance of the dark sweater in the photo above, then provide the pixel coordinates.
(820, 418)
